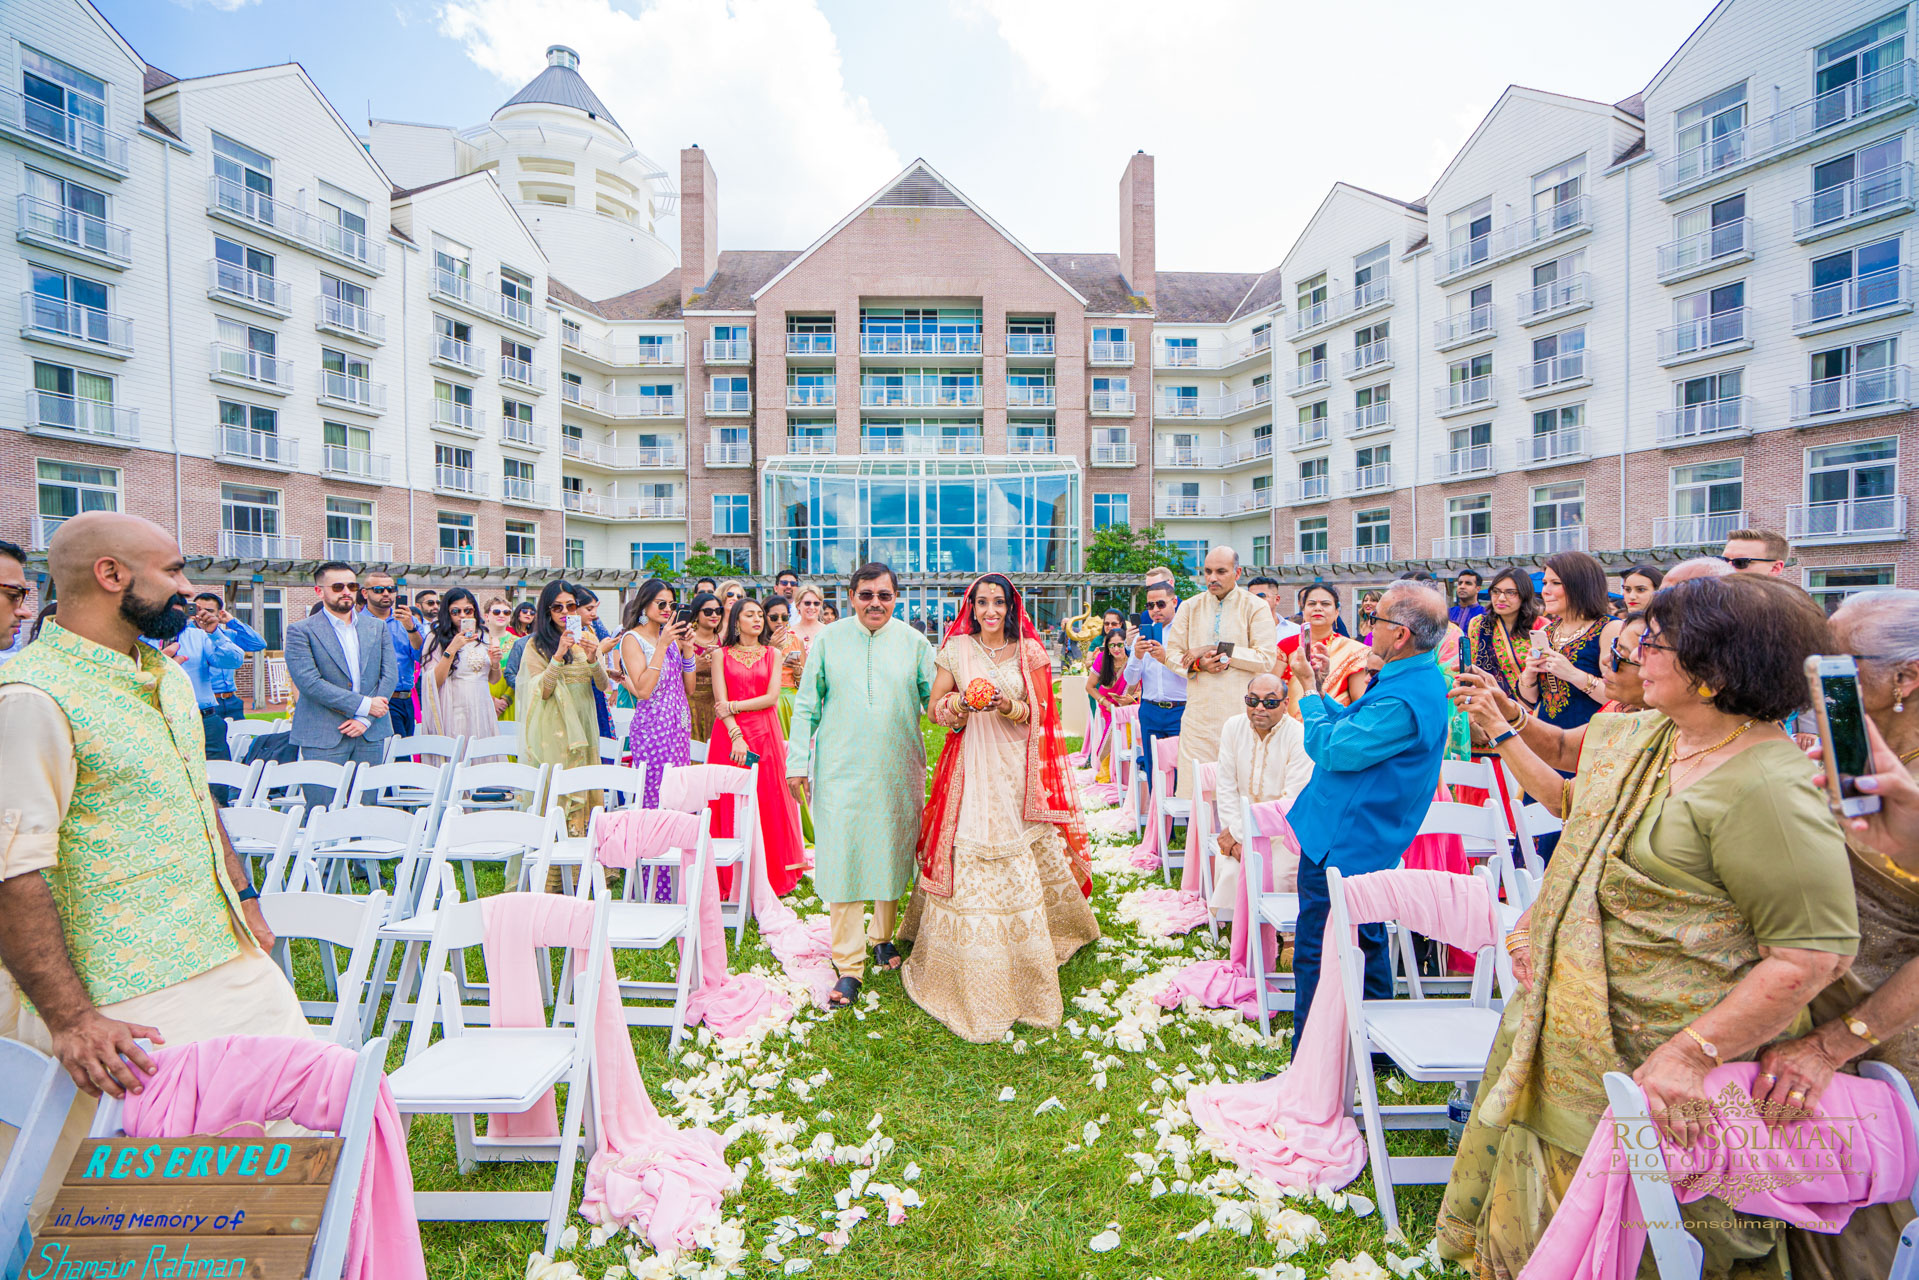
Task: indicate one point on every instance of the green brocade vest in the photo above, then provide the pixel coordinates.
(141, 884)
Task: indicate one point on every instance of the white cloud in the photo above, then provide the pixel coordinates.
(757, 83)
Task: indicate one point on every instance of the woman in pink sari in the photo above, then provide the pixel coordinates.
(1109, 692)
(746, 692)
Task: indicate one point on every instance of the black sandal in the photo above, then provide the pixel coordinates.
(886, 955)
(844, 992)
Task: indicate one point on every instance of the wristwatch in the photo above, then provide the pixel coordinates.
(1857, 1025)
(248, 893)
(1706, 1046)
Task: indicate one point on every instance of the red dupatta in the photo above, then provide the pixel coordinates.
(1050, 794)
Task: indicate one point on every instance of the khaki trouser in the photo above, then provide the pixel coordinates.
(850, 940)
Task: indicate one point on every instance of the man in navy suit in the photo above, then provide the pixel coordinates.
(1375, 765)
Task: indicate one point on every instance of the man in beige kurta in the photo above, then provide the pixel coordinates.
(1215, 682)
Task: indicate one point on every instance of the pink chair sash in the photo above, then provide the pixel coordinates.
(663, 1181)
(212, 1086)
(1857, 1149)
(1226, 984)
(1295, 1128)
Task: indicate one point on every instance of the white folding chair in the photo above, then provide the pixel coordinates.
(500, 784)
(696, 752)
(1535, 821)
(1481, 829)
(622, 718)
(241, 733)
(402, 784)
(1166, 810)
(435, 747)
(744, 851)
(267, 834)
(621, 787)
(486, 1070)
(1280, 911)
(239, 779)
(1206, 823)
(613, 751)
(367, 834)
(35, 1095)
(284, 784)
(1430, 1040)
(332, 921)
(327, 1261)
(504, 745)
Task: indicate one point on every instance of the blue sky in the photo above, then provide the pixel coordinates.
(1252, 107)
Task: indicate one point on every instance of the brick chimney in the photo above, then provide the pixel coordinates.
(1136, 255)
(699, 222)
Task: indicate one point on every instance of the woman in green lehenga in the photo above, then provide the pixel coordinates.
(553, 696)
(1697, 901)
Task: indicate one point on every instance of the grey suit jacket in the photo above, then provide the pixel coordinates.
(317, 666)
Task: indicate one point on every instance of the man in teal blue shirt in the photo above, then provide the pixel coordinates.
(1375, 765)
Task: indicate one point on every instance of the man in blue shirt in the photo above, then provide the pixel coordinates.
(1162, 690)
(403, 630)
(203, 650)
(1375, 766)
(1466, 604)
(211, 605)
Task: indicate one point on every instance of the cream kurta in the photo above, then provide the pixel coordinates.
(1212, 698)
(1255, 769)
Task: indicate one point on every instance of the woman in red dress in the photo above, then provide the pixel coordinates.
(746, 692)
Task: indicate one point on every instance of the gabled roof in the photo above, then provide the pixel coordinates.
(657, 301)
(561, 85)
(1514, 92)
(917, 186)
(1685, 47)
(402, 195)
(1265, 293)
(282, 68)
(157, 79)
(1333, 193)
(1097, 278)
(1201, 297)
(741, 276)
(1635, 106)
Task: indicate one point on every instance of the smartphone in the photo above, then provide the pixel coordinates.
(752, 758)
(573, 625)
(684, 615)
(1834, 681)
(466, 627)
(403, 599)
(1224, 648)
(1465, 656)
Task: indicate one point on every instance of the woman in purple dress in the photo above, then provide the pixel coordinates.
(654, 657)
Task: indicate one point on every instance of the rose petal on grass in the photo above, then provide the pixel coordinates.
(1105, 1242)
(1008, 1094)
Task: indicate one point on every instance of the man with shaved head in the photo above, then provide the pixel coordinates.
(1219, 640)
(1375, 767)
(124, 913)
(1262, 757)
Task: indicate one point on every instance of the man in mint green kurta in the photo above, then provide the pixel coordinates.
(856, 731)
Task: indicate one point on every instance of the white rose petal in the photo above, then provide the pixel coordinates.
(1105, 1242)
(796, 1265)
(1051, 1104)
(1007, 1094)
(1090, 1134)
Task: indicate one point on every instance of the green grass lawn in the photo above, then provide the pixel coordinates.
(1007, 1193)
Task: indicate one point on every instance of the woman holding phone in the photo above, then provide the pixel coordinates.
(811, 619)
(1346, 675)
(708, 617)
(499, 632)
(1561, 679)
(792, 650)
(460, 664)
(1500, 638)
(746, 689)
(558, 673)
(655, 655)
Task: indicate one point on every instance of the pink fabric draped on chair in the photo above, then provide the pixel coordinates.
(1183, 909)
(662, 1181)
(1294, 1128)
(213, 1086)
(1821, 1168)
(1224, 984)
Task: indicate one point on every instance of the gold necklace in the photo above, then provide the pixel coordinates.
(1676, 759)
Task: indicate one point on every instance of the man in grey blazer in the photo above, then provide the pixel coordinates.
(342, 663)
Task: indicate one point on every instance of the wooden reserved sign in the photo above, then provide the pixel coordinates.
(187, 1208)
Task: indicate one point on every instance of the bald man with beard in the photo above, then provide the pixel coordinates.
(124, 912)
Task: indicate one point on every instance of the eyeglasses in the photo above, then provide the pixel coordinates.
(1653, 640)
(343, 586)
(1271, 704)
(16, 596)
(710, 611)
(875, 597)
(1743, 563)
(384, 591)
(1505, 593)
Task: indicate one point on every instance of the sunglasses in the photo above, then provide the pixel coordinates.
(1619, 658)
(1159, 604)
(557, 607)
(1271, 704)
(711, 611)
(496, 613)
(1743, 563)
(344, 586)
(384, 591)
(875, 597)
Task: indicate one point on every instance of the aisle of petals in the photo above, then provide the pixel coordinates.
(846, 1178)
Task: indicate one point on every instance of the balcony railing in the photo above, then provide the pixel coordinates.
(70, 322)
(811, 344)
(667, 353)
(1181, 356)
(519, 313)
(1360, 360)
(349, 392)
(1312, 317)
(94, 419)
(811, 446)
(1220, 504)
(54, 225)
(233, 283)
(462, 558)
(1862, 392)
(1555, 371)
(727, 350)
(1869, 95)
(359, 552)
(1369, 479)
(1029, 344)
(1376, 553)
(524, 492)
(1848, 301)
(454, 287)
(1549, 447)
(1877, 519)
(625, 457)
(726, 454)
(1464, 394)
(240, 203)
(1225, 455)
(1457, 464)
(451, 351)
(259, 546)
(263, 448)
(1707, 420)
(729, 402)
(814, 397)
(1374, 417)
(518, 431)
(1546, 542)
(1110, 353)
(1708, 530)
(1309, 489)
(1029, 396)
(461, 417)
(898, 446)
(1112, 454)
(1515, 238)
(1305, 558)
(355, 464)
(1476, 546)
(1112, 402)
(920, 397)
(1703, 250)
(522, 374)
(43, 527)
(1851, 203)
(1304, 435)
(1691, 339)
(1556, 298)
(1029, 444)
(241, 364)
(1474, 325)
(515, 560)
(919, 344)
(81, 139)
(458, 480)
(349, 318)
(1307, 377)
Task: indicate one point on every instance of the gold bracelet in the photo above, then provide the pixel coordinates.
(1517, 939)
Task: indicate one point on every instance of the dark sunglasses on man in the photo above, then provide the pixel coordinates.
(1269, 702)
(1743, 563)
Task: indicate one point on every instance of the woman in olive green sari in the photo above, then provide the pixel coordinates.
(1697, 902)
(554, 697)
